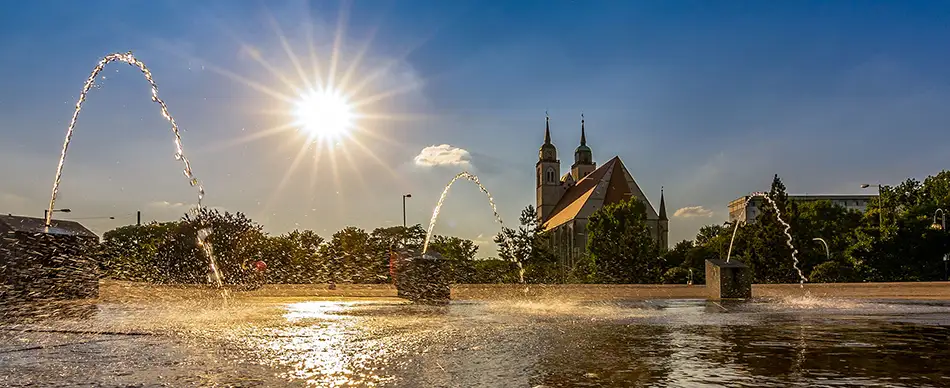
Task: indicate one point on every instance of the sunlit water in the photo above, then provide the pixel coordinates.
(179, 149)
(378, 341)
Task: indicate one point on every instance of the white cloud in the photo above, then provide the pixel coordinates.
(693, 211)
(482, 239)
(443, 155)
(167, 205)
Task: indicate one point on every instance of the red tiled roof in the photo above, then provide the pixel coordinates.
(616, 188)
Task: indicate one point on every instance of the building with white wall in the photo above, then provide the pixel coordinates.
(748, 207)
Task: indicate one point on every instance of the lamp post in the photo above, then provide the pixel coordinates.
(880, 204)
(825, 243)
(941, 226)
(46, 212)
(404, 196)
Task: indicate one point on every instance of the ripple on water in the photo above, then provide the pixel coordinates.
(521, 342)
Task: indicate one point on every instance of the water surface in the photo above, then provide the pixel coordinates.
(285, 341)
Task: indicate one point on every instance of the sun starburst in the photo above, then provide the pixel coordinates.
(327, 104)
(324, 115)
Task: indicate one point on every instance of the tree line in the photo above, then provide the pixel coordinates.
(168, 252)
(894, 239)
(899, 237)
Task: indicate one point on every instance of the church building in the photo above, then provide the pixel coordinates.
(565, 202)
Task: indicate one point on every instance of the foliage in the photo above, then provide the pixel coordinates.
(675, 275)
(460, 254)
(620, 243)
(128, 252)
(904, 247)
(494, 271)
(529, 245)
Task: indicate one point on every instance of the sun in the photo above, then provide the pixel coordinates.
(324, 115)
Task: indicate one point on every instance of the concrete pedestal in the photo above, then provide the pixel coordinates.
(422, 279)
(732, 280)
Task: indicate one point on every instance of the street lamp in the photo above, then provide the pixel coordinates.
(728, 255)
(880, 204)
(46, 212)
(825, 243)
(941, 226)
(404, 196)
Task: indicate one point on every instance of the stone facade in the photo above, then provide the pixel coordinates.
(564, 205)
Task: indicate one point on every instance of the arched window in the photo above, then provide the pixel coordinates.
(551, 175)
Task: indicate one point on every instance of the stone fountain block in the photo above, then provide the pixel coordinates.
(728, 280)
(40, 267)
(422, 278)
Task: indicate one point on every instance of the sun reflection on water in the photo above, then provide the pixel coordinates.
(322, 346)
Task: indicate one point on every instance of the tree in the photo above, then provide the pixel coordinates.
(530, 246)
(906, 248)
(460, 253)
(832, 223)
(292, 257)
(129, 252)
(767, 251)
(621, 245)
(350, 257)
(710, 232)
(233, 238)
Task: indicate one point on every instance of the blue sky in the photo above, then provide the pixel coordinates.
(707, 99)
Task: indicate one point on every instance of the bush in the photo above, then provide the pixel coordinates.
(675, 275)
(832, 272)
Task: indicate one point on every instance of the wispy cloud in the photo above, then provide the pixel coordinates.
(693, 211)
(483, 239)
(166, 205)
(443, 155)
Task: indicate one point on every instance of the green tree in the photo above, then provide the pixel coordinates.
(129, 252)
(530, 246)
(766, 251)
(908, 248)
(494, 271)
(460, 253)
(621, 245)
(351, 257)
(233, 239)
(292, 257)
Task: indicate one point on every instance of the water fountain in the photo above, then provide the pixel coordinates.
(732, 279)
(204, 233)
(52, 242)
(423, 276)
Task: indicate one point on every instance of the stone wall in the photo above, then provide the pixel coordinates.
(36, 267)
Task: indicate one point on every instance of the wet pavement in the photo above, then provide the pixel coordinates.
(517, 342)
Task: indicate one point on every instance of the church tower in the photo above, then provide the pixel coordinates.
(548, 168)
(583, 157)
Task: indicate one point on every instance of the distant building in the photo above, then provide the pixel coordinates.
(566, 202)
(749, 207)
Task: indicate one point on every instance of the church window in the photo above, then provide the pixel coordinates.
(551, 175)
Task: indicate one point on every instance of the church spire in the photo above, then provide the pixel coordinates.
(662, 206)
(583, 135)
(547, 128)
